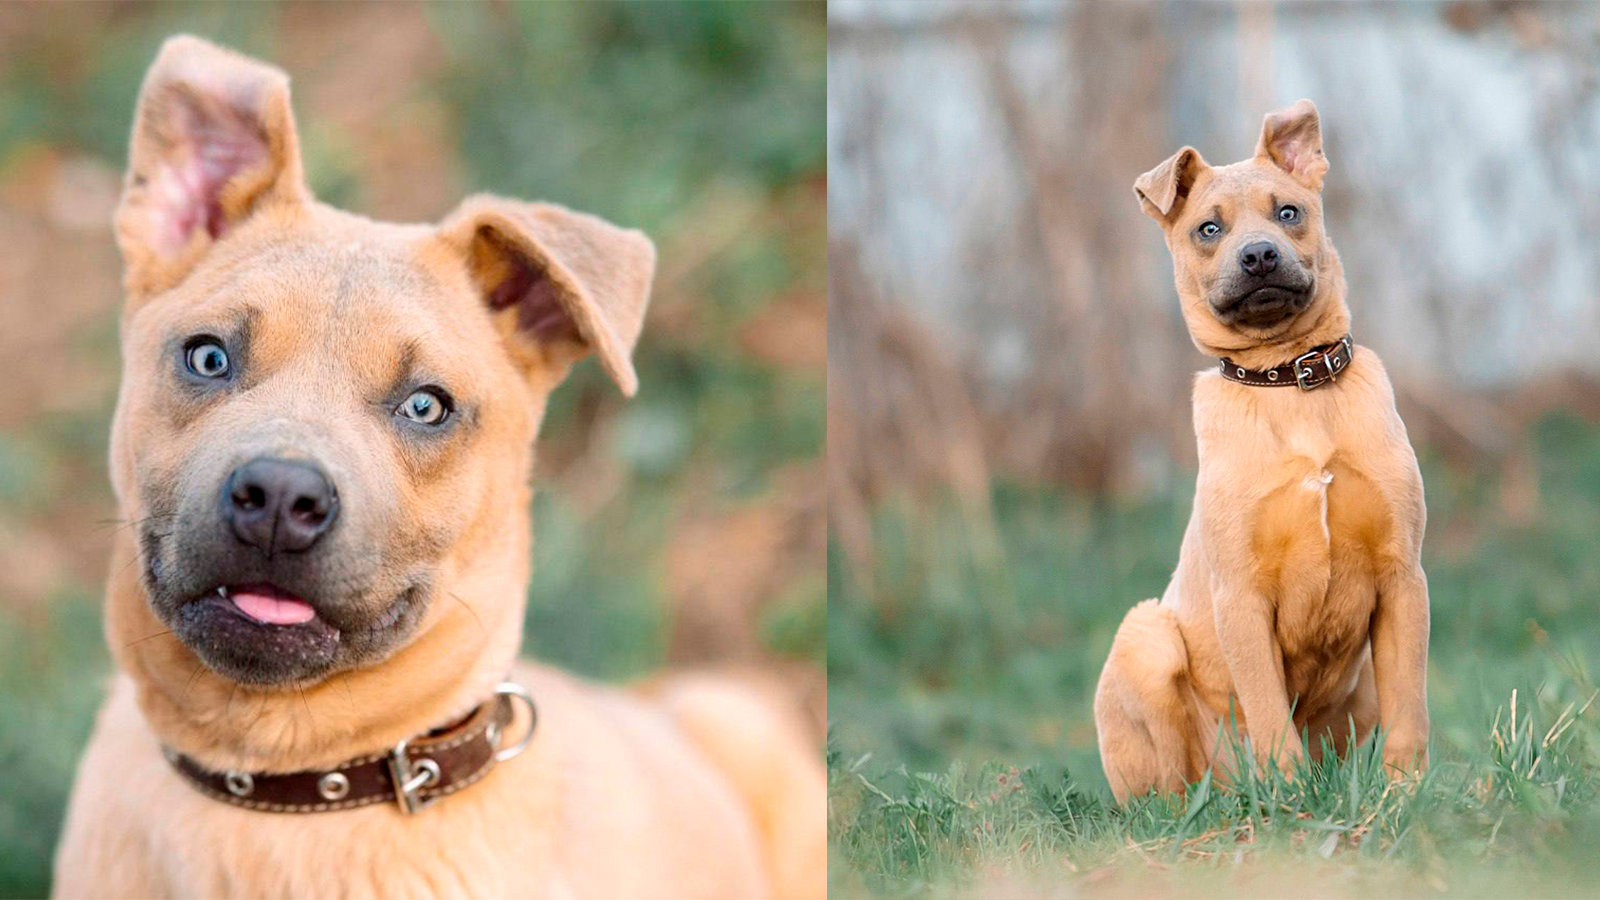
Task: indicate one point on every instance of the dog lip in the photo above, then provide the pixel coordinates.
(393, 612)
(1284, 293)
(223, 596)
(1274, 288)
(1265, 305)
(343, 634)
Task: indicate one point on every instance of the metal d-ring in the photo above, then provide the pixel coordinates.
(518, 692)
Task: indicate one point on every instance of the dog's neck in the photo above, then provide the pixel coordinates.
(223, 725)
(1327, 327)
(1324, 322)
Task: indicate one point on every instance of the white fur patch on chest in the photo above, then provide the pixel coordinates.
(1318, 483)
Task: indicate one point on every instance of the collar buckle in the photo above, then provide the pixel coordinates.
(1303, 373)
(410, 778)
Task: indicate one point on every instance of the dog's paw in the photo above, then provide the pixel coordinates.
(1289, 760)
(1404, 760)
(1286, 754)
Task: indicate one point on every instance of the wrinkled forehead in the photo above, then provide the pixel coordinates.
(1253, 184)
(356, 300)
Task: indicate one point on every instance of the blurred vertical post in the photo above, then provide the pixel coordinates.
(1256, 94)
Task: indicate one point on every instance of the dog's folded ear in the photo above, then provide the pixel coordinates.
(561, 283)
(213, 142)
(1160, 189)
(1291, 139)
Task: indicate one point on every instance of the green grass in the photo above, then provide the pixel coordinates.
(962, 758)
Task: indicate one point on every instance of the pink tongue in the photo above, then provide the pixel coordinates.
(273, 610)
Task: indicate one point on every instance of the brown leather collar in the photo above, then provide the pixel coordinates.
(1320, 366)
(414, 773)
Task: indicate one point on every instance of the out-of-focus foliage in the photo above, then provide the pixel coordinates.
(685, 525)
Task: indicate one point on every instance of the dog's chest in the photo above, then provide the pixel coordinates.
(1320, 541)
(372, 852)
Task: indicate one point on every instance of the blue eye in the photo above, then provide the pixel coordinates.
(1289, 214)
(207, 359)
(1210, 229)
(425, 406)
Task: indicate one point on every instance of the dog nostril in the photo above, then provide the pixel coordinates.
(308, 510)
(249, 496)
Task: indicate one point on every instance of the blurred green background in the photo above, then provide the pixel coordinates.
(684, 526)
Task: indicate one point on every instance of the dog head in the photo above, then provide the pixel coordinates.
(1252, 262)
(324, 433)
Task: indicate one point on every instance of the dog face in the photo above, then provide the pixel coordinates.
(325, 421)
(1249, 252)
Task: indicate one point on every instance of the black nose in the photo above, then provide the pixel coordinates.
(1258, 259)
(279, 504)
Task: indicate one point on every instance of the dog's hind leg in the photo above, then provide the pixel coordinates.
(1141, 708)
(771, 762)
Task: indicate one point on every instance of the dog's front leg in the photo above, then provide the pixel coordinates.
(1400, 668)
(1255, 662)
(1244, 614)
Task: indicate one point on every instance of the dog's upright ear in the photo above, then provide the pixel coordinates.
(213, 142)
(561, 284)
(1162, 189)
(1291, 139)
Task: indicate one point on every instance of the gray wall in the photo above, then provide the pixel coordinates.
(980, 162)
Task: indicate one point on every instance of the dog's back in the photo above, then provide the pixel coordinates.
(764, 754)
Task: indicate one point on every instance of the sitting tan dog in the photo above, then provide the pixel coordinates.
(322, 447)
(1299, 608)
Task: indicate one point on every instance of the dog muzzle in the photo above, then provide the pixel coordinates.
(414, 774)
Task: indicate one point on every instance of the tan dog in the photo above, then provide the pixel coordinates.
(1299, 605)
(323, 447)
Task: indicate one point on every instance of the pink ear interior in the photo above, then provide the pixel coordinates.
(1295, 152)
(1293, 139)
(211, 147)
(540, 312)
(1288, 153)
